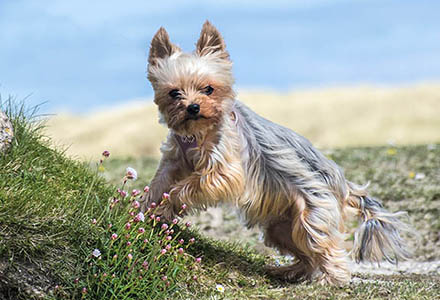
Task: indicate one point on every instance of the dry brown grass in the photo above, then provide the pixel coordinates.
(334, 117)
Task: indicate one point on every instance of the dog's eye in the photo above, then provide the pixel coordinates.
(175, 94)
(208, 90)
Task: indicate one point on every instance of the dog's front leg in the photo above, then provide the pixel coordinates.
(203, 189)
(166, 175)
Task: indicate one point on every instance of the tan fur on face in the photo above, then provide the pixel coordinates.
(171, 69)
(174, 111)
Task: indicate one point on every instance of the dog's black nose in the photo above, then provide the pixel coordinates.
(193, 109)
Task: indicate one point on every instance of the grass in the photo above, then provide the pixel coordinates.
(45, 205)
(47, 202)
(395, 176)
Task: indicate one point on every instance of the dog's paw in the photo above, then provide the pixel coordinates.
(165, 211)
(291, 273)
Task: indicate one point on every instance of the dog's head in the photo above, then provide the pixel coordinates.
(191, 89)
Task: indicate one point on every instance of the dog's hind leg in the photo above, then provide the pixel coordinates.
(316, 233)
(278, 235)
(312, 236)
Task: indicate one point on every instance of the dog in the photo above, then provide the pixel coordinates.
(219, 150)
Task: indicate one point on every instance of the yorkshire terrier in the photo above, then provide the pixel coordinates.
(219, 150)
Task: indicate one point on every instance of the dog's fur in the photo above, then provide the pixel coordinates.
(273, 175)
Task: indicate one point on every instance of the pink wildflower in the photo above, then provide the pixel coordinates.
(94, 221)
(180, 250)
(145, 265)
(84, 290)
(168, 247)
(164, 278)
(131, 173)
(135, 192)
(198, 259)
(184, 206)
(153, 204)
(141, 230)
(122, 193)
(166, 196)
(169, 238)
(130, 257)
(106, 153)
(157, 219)
(136, 204)
(163, 251)
(181, 241)
(175, 221)
(139, 217)
(128, 226)
(114, 236)
(164, 226)
(128, 243)
(188, 224)
(146, 189)
(192, 240)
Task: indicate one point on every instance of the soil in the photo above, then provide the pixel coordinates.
(224, 223)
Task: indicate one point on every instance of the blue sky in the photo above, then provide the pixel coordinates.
(83, 55)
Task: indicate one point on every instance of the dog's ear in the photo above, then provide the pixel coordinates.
(161, 46)
(211, 41)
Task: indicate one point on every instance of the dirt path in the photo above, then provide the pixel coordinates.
(224, 223)
(407, 267)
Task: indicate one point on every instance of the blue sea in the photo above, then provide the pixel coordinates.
(80, 56)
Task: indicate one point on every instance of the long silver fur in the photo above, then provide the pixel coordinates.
(279, 161)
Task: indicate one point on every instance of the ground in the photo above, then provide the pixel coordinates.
(404, 178)
(48, 202)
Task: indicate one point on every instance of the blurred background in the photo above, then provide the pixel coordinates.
(340, 72)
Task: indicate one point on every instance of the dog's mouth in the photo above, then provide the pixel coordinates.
(194, 118)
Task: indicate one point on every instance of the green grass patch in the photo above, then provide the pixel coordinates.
(55, 211)
(46, 201)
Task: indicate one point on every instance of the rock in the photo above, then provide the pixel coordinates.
(6, 132)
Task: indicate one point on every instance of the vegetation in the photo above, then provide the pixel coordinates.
(66, 233)
(54, 213)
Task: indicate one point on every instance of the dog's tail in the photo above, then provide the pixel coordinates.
(379, 234)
